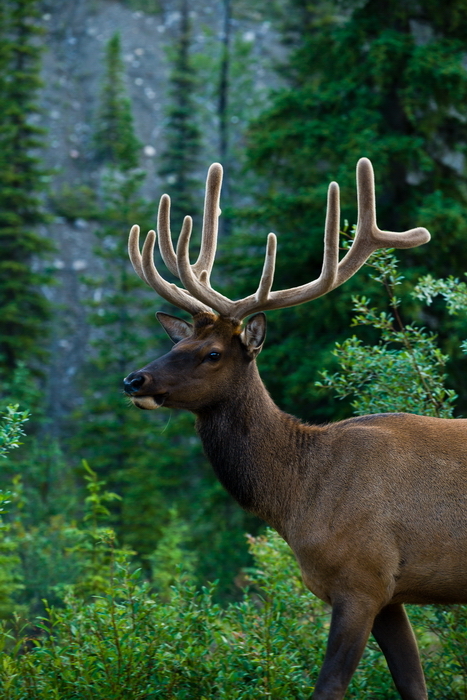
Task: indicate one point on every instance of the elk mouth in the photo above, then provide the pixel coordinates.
(149, 403)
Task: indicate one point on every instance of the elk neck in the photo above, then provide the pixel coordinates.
(259, 453)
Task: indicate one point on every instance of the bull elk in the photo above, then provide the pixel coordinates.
(373, 507)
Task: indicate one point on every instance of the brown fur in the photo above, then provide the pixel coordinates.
(374, 508)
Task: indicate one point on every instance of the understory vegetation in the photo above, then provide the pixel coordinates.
(116, 632)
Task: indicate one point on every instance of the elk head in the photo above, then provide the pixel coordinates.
(202, 368)
(206, 362)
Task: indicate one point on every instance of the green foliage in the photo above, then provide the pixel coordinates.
(394, 109)
(40, 493)
(22, 179)
(404, 372)
(115, 140)
(46, 483)
(443, 634)
(95, 541)
(11, 428)
(360, 80)
(129, 642)
(76, 202)
(453, 291)
(118, 312)
(110, 434)
(48, 556)
(11, 580)
(172, 560)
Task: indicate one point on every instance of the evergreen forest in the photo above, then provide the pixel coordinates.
(126, 570)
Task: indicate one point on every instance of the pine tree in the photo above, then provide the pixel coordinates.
(24, 310)
(383, 80)
(179, 161)
(115, 140)
(387, 82)
(119, 310)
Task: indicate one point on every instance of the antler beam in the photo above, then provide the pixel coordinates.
(198, 294)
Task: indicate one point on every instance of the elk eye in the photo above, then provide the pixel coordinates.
(213, 357)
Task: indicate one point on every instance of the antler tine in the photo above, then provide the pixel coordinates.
(165, 237)
(311, 290)
(145, 268)
(210, 227)
(211, 215)
(267, 277)
(369, 237)
(133, 252)
(331, 239)
(199, 288)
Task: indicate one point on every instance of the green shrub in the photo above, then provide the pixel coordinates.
(132, 643)
(11, 427)
(11, 430)
(404, 371)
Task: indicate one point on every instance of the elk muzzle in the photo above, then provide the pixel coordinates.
(135, 386)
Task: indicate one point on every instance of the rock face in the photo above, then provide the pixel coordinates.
(76, 33)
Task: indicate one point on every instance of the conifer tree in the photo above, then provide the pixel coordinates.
(108, 433)
(24, 310)
(179, 161)
(383, 80)
(388, 82)
(116, 143)
(223, 111)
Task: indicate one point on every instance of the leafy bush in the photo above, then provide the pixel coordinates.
(405, 371)
(131, 643)
(11, 428)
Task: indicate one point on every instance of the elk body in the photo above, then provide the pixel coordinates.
(374, 508)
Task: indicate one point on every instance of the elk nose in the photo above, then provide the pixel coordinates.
(133, 383)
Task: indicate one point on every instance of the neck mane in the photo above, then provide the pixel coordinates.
(257, 451)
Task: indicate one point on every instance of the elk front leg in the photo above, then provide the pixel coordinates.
(395, 637)
(351, 624)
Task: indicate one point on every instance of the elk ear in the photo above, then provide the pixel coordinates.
(253, 334)
(176, 328)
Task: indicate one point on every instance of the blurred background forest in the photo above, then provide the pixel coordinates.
(107, 104)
